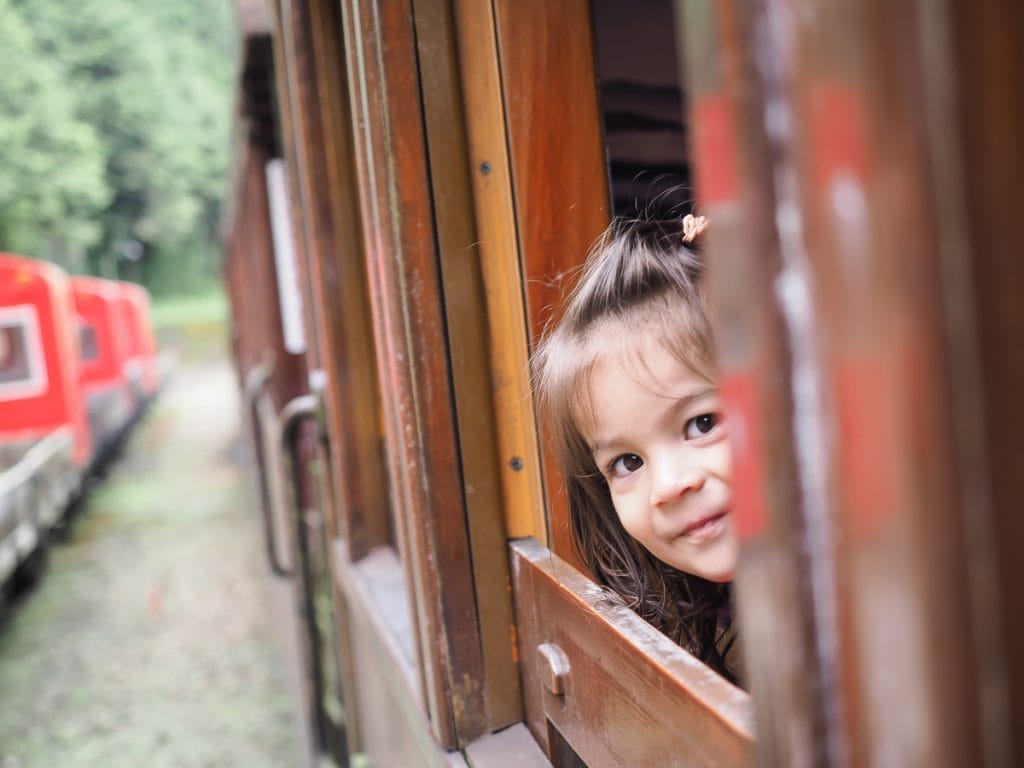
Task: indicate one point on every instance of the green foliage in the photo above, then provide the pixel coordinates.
(52, 185)
(140, 91)
(210, 307)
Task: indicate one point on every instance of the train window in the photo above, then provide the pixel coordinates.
(628, 155)
(13, 354)
(88, 344)
(642, 107)
(22, 372)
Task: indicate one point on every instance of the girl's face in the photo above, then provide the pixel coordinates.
(658, 438)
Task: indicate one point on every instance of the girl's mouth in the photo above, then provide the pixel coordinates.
(705, 528)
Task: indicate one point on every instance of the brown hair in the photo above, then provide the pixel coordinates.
(638, 273)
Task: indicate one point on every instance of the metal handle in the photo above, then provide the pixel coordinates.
(327, 703)
(297, 411)
(255, 380)
(255, 386)
(294, 413)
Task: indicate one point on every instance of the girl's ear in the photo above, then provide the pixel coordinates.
(693, 227)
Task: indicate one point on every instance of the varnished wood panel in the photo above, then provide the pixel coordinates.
(339, 290)
(413, 355)
(371, 157)
(498, 249)
(559, 176)
(631, 696)
(488, 672)
(985, 62)
(397, 731)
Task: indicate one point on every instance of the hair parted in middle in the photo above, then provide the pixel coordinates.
(639, 278)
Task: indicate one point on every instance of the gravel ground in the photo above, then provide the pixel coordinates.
(156, 637)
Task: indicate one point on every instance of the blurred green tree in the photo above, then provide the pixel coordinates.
(52, 183)
(154, 81)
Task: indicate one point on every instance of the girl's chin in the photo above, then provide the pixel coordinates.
(718, 575)
(717, 565)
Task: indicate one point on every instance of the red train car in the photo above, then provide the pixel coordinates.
(78, 364)
(44, 436)
(103, 341)
(39, 389)
(141, 360)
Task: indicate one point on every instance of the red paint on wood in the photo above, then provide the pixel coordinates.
(743, 413)
(838, 140)
(869, 426)
(715, 148)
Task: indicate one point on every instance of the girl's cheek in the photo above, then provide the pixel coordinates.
(622, 512)
(621, 485)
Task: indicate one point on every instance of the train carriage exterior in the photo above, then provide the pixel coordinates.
(103, 355)
(40, 391)
(418, 182)
(141, 361)
(66, 397)
(45, 442)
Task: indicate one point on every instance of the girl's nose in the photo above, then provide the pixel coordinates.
(672, 478)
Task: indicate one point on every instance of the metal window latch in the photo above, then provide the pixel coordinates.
(553, 667)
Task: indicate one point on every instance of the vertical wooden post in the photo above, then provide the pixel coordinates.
(864, 328)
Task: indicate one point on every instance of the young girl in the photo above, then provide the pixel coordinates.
(627, 383)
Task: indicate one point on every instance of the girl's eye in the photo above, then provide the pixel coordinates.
(625, 465)
(699, 426)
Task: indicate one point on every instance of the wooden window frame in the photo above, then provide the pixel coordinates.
(450, 528)
(625, 670)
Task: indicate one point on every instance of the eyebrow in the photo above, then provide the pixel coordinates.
(681, 404)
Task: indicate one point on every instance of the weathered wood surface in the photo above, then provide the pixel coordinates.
(631, 696)
(861, 275)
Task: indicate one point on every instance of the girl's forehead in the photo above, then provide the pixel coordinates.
(651, 363)
(642, 355)
(646, 342)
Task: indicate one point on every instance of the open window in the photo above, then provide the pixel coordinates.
(580, 153)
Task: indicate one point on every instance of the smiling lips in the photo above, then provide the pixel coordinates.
(705, 528)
